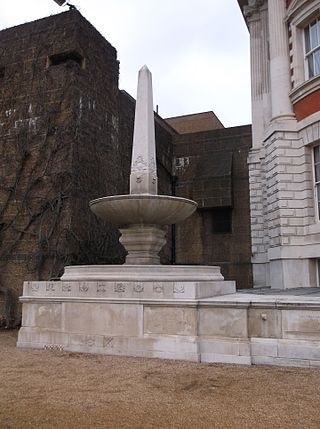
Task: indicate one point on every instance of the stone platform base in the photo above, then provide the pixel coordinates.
(173, 319)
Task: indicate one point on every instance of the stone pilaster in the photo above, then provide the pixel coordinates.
(257, 18)
(259, 67)
(279, 61)
(265, 78)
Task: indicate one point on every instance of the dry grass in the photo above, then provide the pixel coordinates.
(45, 389)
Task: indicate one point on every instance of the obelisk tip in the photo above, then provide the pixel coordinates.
(145, 68)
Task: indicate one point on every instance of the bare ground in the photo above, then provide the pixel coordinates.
(51, 389)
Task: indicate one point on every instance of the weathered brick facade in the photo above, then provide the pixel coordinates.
(65, 139)
(60, 147)
(211, 168)
(205, 121)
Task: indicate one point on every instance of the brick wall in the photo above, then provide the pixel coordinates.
(59, 143)
(186, 124)
(197, 242)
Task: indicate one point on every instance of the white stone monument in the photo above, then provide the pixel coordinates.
(141, 307)
(143, 213)
(146, 309)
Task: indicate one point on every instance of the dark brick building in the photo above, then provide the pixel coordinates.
(211, 168)
(65, 139)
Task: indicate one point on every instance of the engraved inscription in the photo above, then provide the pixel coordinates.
(34, 287)
(138, 287)
(50, 287)
(54, 347)
(107, 341)
(119, 287)
(178, 289)
(152, 165)
(158, 288)
(66, 287)
(101, 288)
(90, 341)
(141, 165)
(84, 287)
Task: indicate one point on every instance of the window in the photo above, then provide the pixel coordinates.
(316, 159)
(222, 219)
(312, 48)
(65, 57)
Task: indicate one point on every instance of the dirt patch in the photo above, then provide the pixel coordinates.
(52, 389)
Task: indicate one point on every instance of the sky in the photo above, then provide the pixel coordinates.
(197, 50)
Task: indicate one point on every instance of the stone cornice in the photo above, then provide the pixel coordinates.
(296, 6)
(301, 12)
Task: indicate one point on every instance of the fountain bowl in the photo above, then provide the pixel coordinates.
(143, 209)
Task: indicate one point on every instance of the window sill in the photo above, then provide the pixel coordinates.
(304, 89)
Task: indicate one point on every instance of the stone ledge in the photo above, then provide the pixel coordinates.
(119, 273)
(225, 301)
(133, 301)
(101, 290)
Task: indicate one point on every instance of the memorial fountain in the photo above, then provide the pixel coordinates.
(143, 308)
(140, 308)
(143, 212)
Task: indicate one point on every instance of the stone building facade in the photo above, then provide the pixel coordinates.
(65, 139)
(284, 159)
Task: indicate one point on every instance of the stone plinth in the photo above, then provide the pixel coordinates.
(127, 310)
(164, 318)
(188, 273)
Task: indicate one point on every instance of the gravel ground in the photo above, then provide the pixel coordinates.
(51, 389)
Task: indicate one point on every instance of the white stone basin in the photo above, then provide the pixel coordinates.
(143, 209)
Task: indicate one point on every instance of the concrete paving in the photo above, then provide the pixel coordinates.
(300, 291)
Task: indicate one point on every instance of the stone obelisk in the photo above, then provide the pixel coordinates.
(142, 214)
(143, 242)
(143, 177)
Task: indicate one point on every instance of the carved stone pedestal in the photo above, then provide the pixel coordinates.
(131, 310)
(170, 312)
(143, 244)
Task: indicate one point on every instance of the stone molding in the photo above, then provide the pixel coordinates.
(300, 9)
(115, 290)
(304, 89)
(196, 273)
